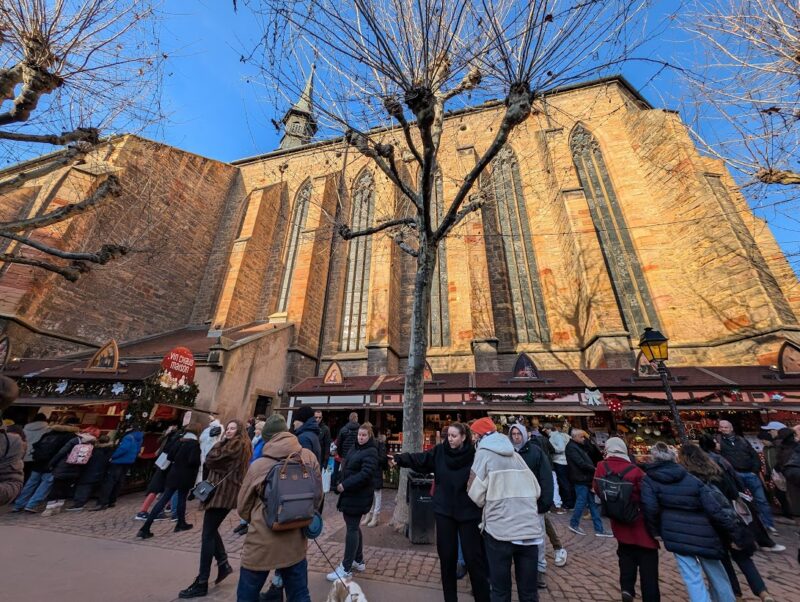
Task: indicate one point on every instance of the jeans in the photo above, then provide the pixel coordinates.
(565, 488)
(353, 541)
(500, 555)
(211, 545)
(756, 487)
(109, 490)
(745, 562)
(449, 532)
(557, 501)
(35, 491)
(633, 559)
(692, 569)
(162, 502)
(295, 582)
(583, 498)
(541, 561)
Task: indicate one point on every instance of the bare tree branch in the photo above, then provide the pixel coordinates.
(68, 157)
(347, 234)
(88, 135)
(71, 273)
(109, 188)
(103, 256)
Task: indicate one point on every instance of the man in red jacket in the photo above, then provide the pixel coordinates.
(637, 550)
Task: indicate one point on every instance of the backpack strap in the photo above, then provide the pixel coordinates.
(620, 474)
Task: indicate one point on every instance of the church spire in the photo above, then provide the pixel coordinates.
(299, 123)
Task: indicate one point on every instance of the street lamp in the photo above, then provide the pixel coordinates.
(655, 348)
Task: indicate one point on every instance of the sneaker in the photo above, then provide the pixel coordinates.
(161, 516)
(577, 530)
(776, 548)
(359, 567)
(141, 516)
(561, 557)
(603, 534)
(32, 510)
(560, 511)
(98, 508)
(627, 596)
(772, 530)
(15, 510)
(339, 573)
(74, 509)
(541, 582)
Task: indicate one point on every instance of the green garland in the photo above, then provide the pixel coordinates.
(141, 407)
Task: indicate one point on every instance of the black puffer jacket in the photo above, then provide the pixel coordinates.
(348, 435)
(308, 436)
(52, 441)
(581, 467)
(537, 461)
(358, 478)
(185, 458)
(450, 468)
(95, 469)
(677, 508)
(739, 453)
(383, 464)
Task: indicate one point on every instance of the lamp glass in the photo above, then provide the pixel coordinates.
(654, 345)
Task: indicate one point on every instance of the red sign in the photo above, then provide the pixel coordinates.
(178, 366)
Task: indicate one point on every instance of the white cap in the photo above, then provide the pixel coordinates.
(774, 426)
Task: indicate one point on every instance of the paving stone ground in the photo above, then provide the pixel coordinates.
(590, 573)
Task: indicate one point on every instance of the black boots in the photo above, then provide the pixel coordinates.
(223, 571)
(144, 533)
(198, 589)
(182, 526)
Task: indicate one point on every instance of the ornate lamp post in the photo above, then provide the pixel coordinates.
(655, 348)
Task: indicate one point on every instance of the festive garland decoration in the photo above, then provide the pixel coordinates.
(529, 396)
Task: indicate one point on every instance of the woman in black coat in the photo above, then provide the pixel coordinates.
(184, 459)
(456, 514)
(356, 487)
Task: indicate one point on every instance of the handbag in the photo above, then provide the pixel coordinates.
(163, 461)
(205, 489)
(778, 480)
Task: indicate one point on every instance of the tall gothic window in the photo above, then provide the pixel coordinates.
(439, 322)
(523, 274)
(356, 292)
(623, 265)
(299, 215)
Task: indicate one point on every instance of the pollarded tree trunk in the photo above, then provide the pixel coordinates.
(414, 385)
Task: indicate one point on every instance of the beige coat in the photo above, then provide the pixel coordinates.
(265, 549)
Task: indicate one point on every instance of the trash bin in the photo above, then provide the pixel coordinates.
(421, 523)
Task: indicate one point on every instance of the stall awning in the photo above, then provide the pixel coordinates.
(62, 402)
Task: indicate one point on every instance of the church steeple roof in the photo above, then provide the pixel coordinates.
(299, 123)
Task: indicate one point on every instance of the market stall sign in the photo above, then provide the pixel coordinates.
(178, 368)
(789, 359)
(106, 359)
(333, 375)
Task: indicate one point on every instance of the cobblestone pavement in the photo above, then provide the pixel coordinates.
(590, 573)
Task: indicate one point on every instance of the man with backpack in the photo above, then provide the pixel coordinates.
(121, 460)
(617, 481)
(271, 544)
(38, 486)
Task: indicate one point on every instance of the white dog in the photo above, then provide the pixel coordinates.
(349, 591)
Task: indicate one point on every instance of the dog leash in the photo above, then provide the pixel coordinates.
(328, 560)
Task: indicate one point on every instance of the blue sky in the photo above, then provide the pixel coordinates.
(218, 106)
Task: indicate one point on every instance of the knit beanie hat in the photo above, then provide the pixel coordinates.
(483, 426)
(303, 414)
(616, 447)
(273, 425)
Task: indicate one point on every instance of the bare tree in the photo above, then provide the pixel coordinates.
(745, 78)
(403, 64)
(70, 69)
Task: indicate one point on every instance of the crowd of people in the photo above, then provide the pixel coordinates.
(493, 493)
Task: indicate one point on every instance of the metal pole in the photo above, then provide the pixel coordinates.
(664, 373)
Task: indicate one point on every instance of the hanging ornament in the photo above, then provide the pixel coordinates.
(117, 389)
(593, 397)
(62, 386)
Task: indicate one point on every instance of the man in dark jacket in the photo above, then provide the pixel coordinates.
(325, 439)
(38, 486)
(93, 473)
(306, 429)
(581, 475)
(682, 510)
(537, 461)
(745, 460)
(345, 441)
(121, 460)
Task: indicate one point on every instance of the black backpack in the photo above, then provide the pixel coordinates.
(46, 448)
(292, 494)
(616, 495)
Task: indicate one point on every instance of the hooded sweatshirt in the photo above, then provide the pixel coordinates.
(502, 484)
(34, 432)
(538, 462)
